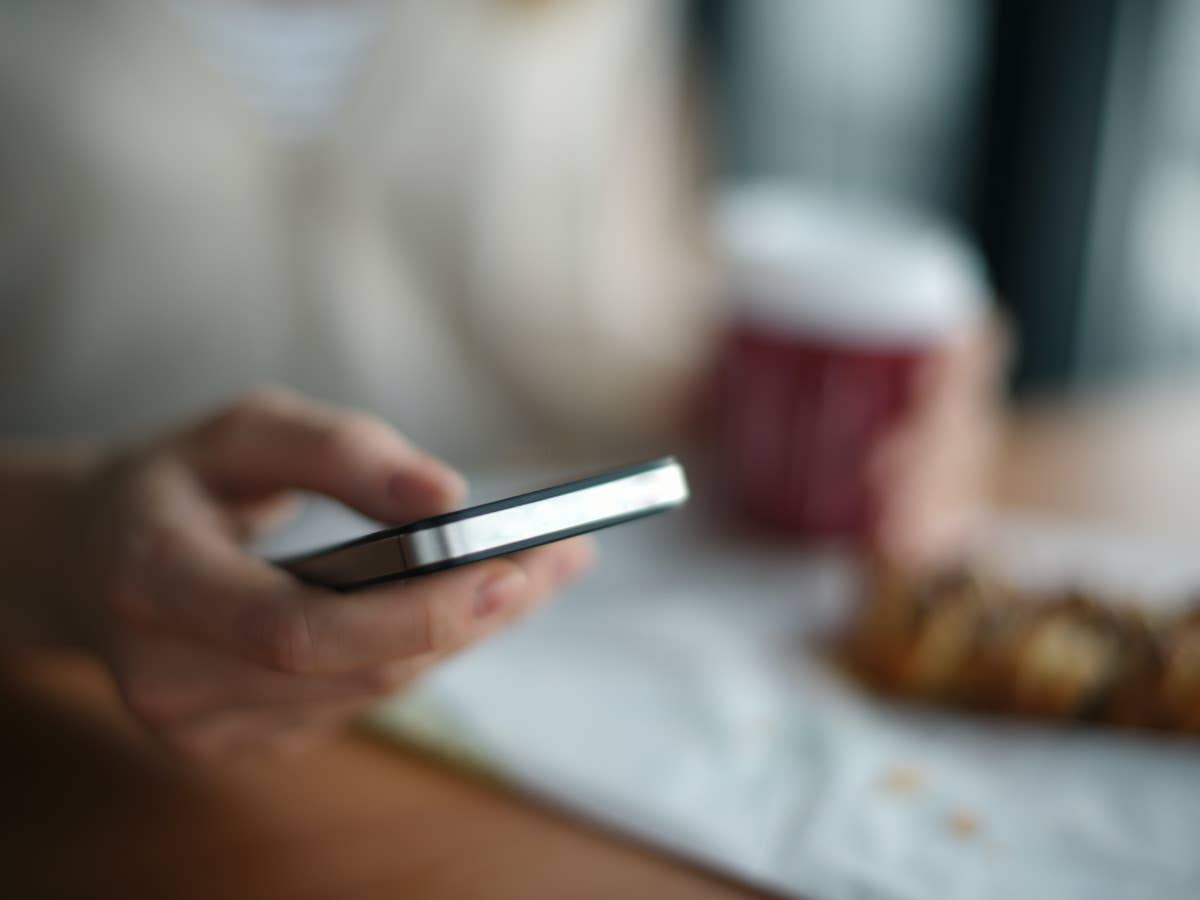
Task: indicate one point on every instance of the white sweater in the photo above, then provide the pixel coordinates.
(484, 246)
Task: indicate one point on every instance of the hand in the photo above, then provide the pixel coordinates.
(931, 475)
(217, 651)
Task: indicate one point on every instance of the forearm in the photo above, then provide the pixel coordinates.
(40, 490)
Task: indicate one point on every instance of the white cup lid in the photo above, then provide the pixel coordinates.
(802, 262)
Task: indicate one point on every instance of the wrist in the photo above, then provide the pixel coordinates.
(41, 488)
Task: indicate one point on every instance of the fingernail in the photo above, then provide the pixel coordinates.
(456, 484)
(565, 568)
(448, 485)
(569, 566)
(495, 592)
(447, 479)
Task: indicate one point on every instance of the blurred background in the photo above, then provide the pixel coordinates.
(502, 226)
(1064, 137)
(543, 173)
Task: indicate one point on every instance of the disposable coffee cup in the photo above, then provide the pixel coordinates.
(834, 307)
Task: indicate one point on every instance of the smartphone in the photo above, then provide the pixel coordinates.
(494, 529)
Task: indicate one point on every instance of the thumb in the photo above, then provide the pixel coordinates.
(274, 440)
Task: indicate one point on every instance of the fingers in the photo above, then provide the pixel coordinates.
(239, 733)
(256, 516)
(206, 704)
(930, 475)
(196, 585)
(165, 679)
(175, 578)
(213, 635)
(274, 440)
(439, 614)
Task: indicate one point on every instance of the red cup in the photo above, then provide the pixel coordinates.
(835, 309)
(799, 421)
